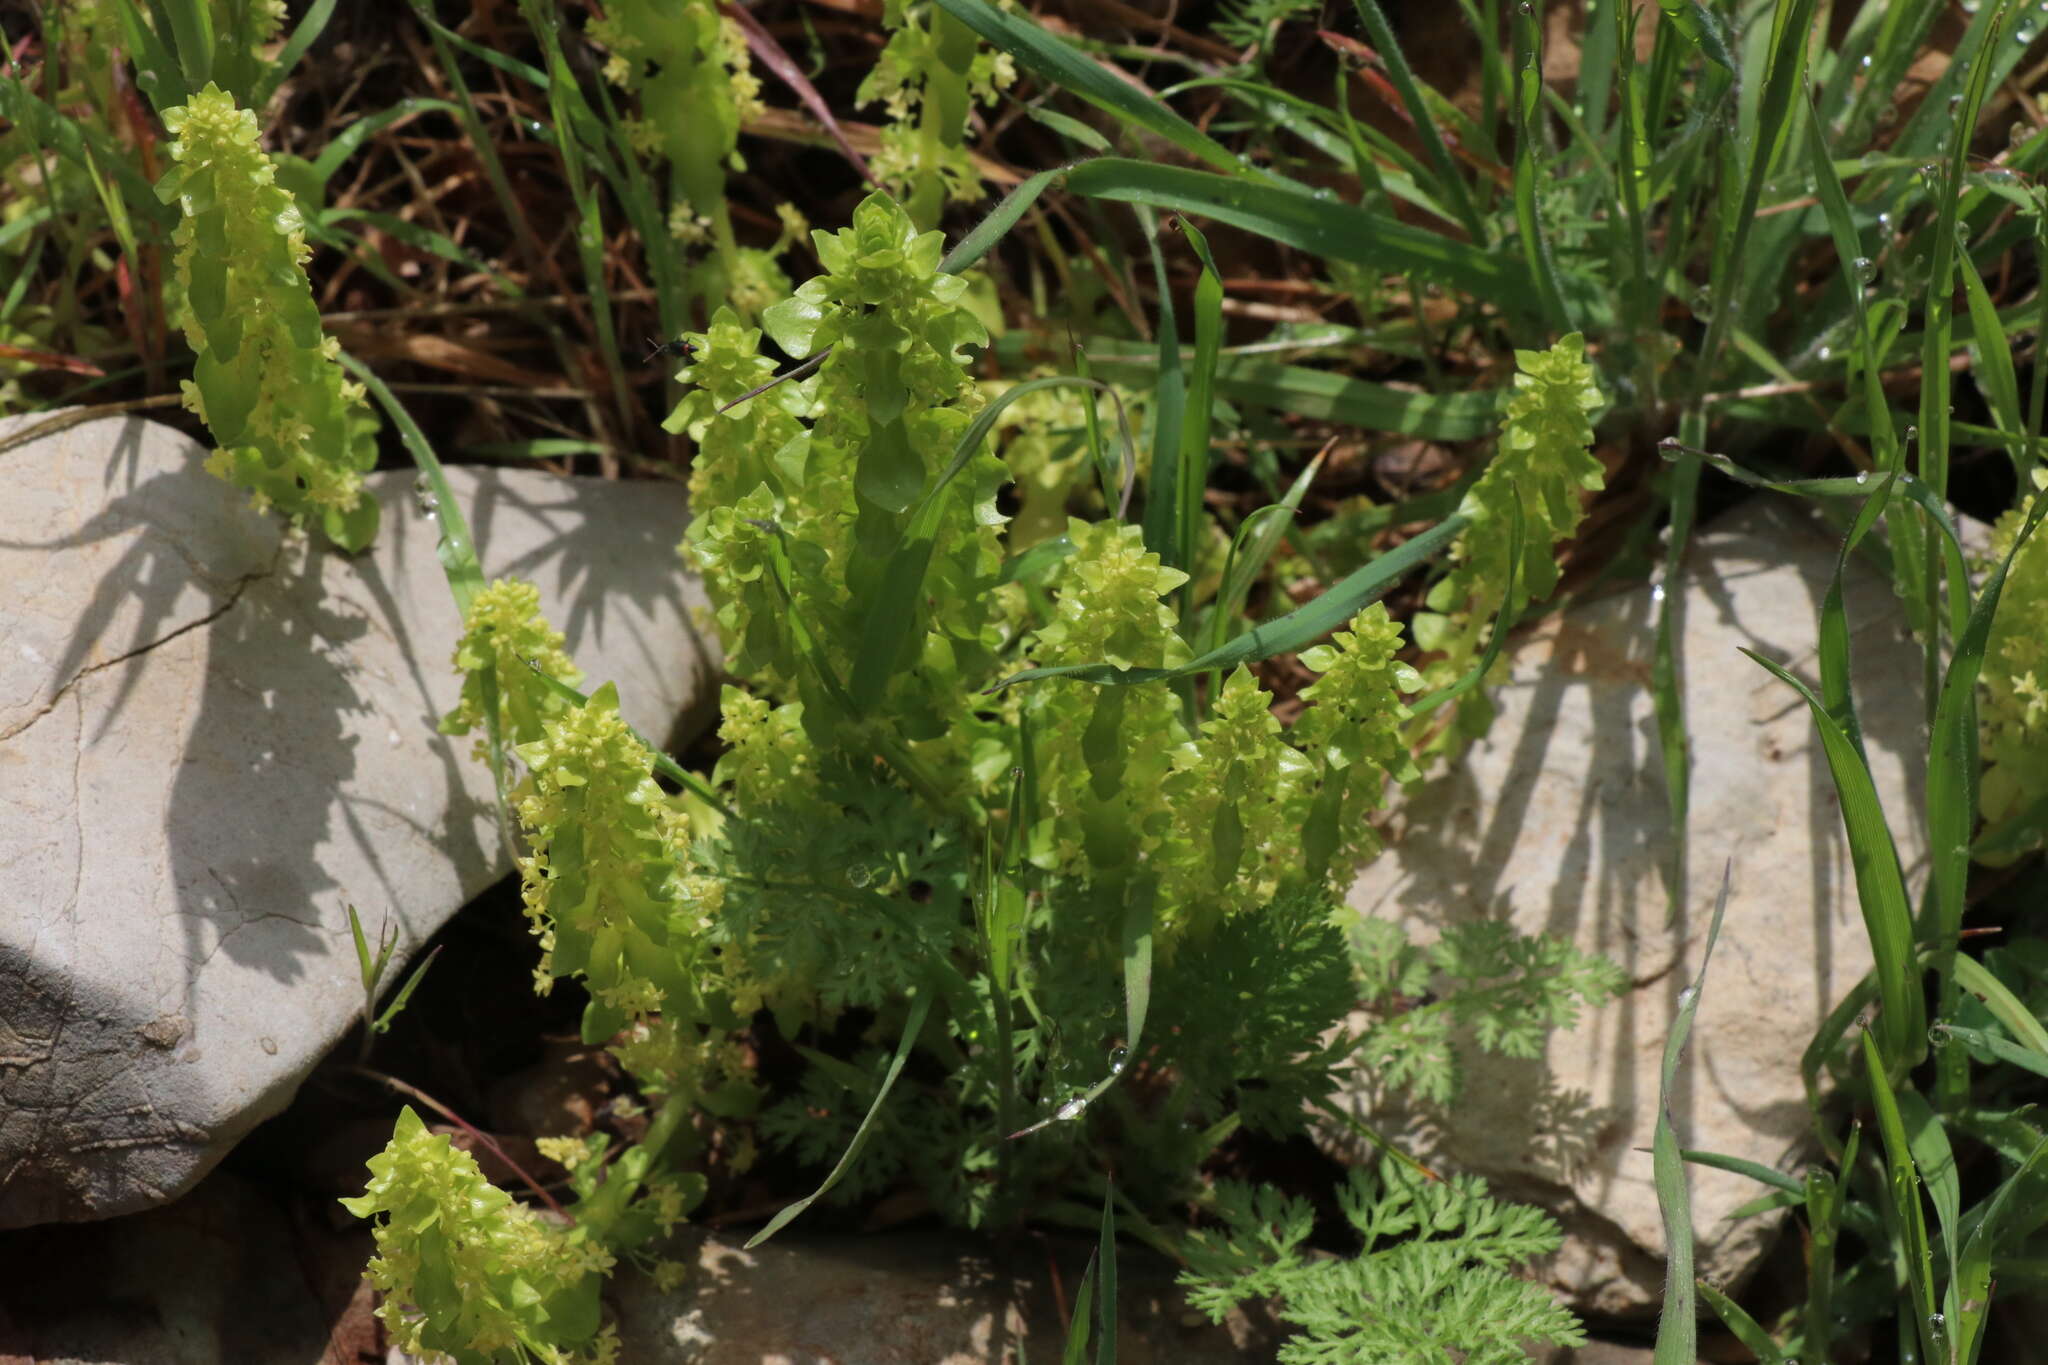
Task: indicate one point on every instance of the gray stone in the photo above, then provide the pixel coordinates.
(213, 736)
(1558, 821)
(909, 1299)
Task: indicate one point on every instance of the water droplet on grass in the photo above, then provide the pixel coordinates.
(1072, 1109)
(1119, 1057)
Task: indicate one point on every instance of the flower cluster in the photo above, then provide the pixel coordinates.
(267, 380)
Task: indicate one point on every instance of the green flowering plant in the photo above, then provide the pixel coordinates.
(929, 78)
(1535, 480)
(2014, 715)
(687, 66)
(292, 430)
(1102, 917)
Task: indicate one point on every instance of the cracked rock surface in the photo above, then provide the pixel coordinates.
(1558, 821)
(214, 735)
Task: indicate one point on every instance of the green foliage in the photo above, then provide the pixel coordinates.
(508, 647)
(1431, 1284)
(687, 64)
(1540, 469)
(2015, 674)
(928, 78)
(467, 1272)
(292, 430)
(1480, 984)
(994, 886)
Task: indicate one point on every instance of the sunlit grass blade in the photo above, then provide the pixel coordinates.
(1296, 630)
(455, 549)
(1880, 885)
(920, 1009)
(1323, 227)
(1677, 1323)
(1755, 1170)
(1073, 70)
(2005, 1007)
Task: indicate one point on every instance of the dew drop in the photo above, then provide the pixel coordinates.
(1972, 6)
(1864, 63)
(1884, 223)
(1687, 996)
(858, 876)
(423, 500)
(1825, 354)
(1866, 269)
(1072, 1109)
(1119, 1057)
(1912, 435)
(1863, 477)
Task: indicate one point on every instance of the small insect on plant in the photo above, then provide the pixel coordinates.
(657, 348)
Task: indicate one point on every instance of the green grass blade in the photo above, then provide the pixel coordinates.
(1296, 630)
(1677, 1323)
(1744, 1327)
(1169, 402)
(1258, 535)
(1880, 886)
(1528, 170)
(1993, 367)
(1755, 1170)
(1068, 67)
(1328, 395)
(1902, 1189)
(2003, 1049)
(2011, 1210)
(304, 34)
(1082, 1323)
(404, 996)
(1192, 476)
(2005, 1007)
(992, 229)
(1450, 185)
(1952, 772)
(1323, 227)
(1105, 1258)
(456, 549)
(920, 1009)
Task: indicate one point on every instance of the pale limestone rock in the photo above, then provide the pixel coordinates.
(213, 735)
(910, 1299)
(1558, 820)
